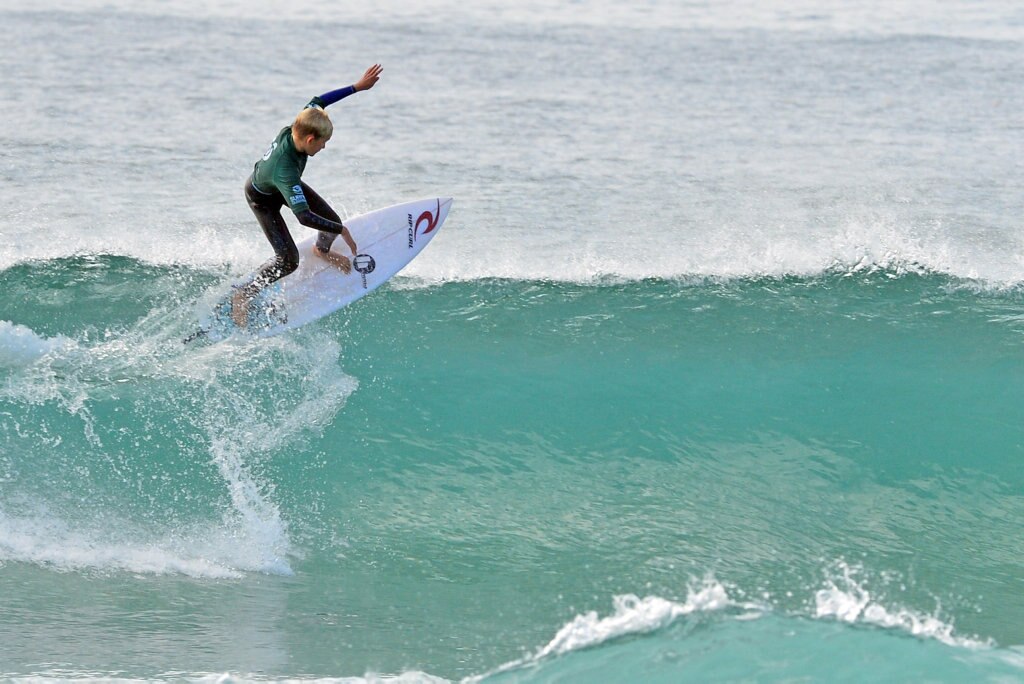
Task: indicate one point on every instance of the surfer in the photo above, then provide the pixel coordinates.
(276, 181)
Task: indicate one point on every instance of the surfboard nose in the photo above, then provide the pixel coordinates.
(443, 205)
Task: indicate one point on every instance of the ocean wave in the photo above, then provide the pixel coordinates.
(731, 639)
(632, 615)
(847, 599)
(844, 599)
(205, 412)
(24, 346)
(741, 249)
(732, 253)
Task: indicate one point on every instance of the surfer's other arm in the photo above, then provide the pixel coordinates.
(325, 225)
(322, 248)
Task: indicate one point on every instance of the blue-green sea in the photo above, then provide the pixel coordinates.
(714, 373)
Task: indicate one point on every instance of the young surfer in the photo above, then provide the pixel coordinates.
(276, 181)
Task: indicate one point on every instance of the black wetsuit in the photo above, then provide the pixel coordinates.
(276, 181)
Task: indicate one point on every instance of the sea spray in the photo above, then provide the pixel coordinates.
(20, 346)
(92, 519)
(847, 598)
(634, 615)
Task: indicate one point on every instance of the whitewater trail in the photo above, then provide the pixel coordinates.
(206, 389)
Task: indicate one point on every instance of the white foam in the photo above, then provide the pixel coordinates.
(43, 538)
(248, 535)
(723, 243)
(846, 599)
(859, 245)
(21, 346)
(632, 615)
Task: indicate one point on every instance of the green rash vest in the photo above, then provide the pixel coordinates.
(281, 168)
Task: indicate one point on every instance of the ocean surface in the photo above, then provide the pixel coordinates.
(714, 373)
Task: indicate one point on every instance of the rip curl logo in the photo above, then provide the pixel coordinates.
(364, 265)
(270, 150)
(430, 218)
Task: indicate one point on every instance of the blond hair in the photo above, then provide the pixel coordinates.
(313, 121)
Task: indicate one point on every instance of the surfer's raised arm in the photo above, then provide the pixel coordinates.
(368, 80)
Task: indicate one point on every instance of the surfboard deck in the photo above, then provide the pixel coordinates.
(388, 239)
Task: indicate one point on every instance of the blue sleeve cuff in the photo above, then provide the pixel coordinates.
(335, 95)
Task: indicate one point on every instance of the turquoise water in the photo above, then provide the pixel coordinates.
(814, 466)
(714, 373)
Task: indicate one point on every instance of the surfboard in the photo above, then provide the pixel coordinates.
(388, 239)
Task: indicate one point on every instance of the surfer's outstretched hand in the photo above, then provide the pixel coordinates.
(370, 77)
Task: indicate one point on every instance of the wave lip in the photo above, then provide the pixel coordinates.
(633, 615)
(847, 600)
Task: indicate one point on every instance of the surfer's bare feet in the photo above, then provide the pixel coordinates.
(338, 260)
(240, 308)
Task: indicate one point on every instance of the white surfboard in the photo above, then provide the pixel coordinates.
(387, 239)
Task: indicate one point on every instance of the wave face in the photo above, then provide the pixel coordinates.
(714, 372)
(826, 447)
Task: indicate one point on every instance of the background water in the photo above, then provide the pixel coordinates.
(714, 373)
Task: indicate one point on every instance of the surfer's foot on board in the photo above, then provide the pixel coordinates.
(240, 308)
